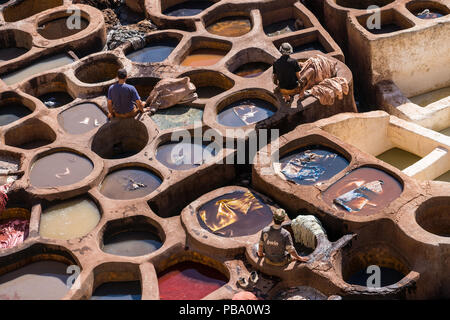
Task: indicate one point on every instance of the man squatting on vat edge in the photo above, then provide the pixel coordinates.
(123, 99)
(275, 241)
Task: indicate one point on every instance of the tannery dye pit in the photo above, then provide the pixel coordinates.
(245, 112)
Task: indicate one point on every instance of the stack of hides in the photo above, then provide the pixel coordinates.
(306, 229)
(169, 92)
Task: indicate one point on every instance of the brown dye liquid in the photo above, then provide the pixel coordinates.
(391, 189)
(60, 169)
(203, 57)
(235, 214)
(43, 280)
(399, 158)
(58, 28)
(11, 53)
(82, 118)
(231, 26)
(252, 69)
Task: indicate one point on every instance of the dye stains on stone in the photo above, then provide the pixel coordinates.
(307, 166)
(245, 112)
(129, 183)
(12, 111)
(252, 69)
(178, 116)
(428, 98)
(282, 27)
(7, 54)
(235, 214)
(53, 100)
(124, 290)
(388, 277)
(184, 156)
(131, 244)
(43, 280)
(203, 57)
(82, 118)
(69, 220)
(60, 169)
(13, 232)
(234, 26)
(399, 158)
(364, 190)
(187, 8)
(61, 28)
(189, 281)
(156, 51)
(42, 65)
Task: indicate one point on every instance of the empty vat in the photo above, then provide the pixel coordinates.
(155, 51)
(189, 281)
(252, 69)
(245, 112)
(399, 158)
(129, 183)
(11, 111)
(69, 219)
(11, 53)
(434, 216)
(98, 70)
(364, 190)
(203, 57)
(122, 290)
(61, 28)
(59, 169)
(31, 134)
(55, 99)
(82, 118)
(177, 116)
(309, 165)
(235, 214)
(187, 8)
(234, 26)
(184, 156)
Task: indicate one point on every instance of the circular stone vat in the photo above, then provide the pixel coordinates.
(120, 139)
(129, 183)
(12, 110)
(245, 112)
(82, 118)
(364, 190)
(189, 281)
(30, 135)
(252, 69)
(209, 83)
(362, 4)
(203, 57)
(121, 290)
(235, 214)
(355, 266)
(233, 26)
(61, 27)
(55, 99)
(42, 280)
(187, 8)
(311, 164)
(143, 86)
(177, 116)
(98, 70)
(69, 219)
(20, 10)
(184, 156)
(59, 169)
(434, 216)
(427, 9)
(155, 51)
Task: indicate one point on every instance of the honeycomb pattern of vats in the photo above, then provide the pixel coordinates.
(402, 235)
(159, 211)
(388, 56)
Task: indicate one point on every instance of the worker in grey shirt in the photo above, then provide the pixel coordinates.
(276, 243)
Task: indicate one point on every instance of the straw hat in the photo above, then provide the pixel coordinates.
(279, 215)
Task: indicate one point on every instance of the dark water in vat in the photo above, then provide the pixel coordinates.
(187, 8)
(184, 156)
(391, 190)
(60, 169)
(11, 53)
(208, 92)
(386, 28)
(82, 118)
(245, 112)
(155, 52)
(189, 281)
(281, 27)
(55, 99)
(43, 280)
(131, 244)
(33, 144)
(11, 112)
(235, 214)
(231, 26)
(309, 47)
(57, 28)
(129, 183)
(124, 290)
(252, 69)
(388, 276)
(399, 158)
(308, 166)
